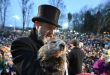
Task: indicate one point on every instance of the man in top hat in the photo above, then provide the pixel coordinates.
(24, 50)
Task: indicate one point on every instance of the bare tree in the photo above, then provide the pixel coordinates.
(76, 21)
(103, 22)
(103, 16)
(28, 19)
(26, 8)
(59, 4)
(3, 11)
(69, 20)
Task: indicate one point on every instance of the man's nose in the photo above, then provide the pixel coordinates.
(48, 33)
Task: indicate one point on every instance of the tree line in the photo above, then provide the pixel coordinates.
(96, 20)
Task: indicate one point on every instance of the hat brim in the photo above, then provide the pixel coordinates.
(41, 19)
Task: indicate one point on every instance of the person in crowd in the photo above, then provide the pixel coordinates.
(1, 61)
(75, 58)
(107, 68)
(98, 66)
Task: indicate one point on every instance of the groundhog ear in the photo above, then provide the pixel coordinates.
(39, 57)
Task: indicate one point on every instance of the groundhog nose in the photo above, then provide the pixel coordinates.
(62, 46)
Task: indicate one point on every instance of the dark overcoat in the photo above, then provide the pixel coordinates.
(24, 53)
(75, 59)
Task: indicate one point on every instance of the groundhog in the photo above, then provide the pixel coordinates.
(52, 57)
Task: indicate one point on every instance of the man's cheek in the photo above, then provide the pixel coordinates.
(42, 32)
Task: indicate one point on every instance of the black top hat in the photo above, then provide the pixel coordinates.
(48, 14)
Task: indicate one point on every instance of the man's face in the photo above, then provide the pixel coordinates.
(45, 31)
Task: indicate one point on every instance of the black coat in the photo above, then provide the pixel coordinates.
(75, 59)
(24, 53)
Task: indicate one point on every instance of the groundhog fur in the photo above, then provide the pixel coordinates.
(52, 57)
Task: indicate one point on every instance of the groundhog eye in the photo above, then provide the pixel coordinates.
(53, 42)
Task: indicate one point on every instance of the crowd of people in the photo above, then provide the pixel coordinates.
(6, 63)
(96, 48)
(93, 47)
